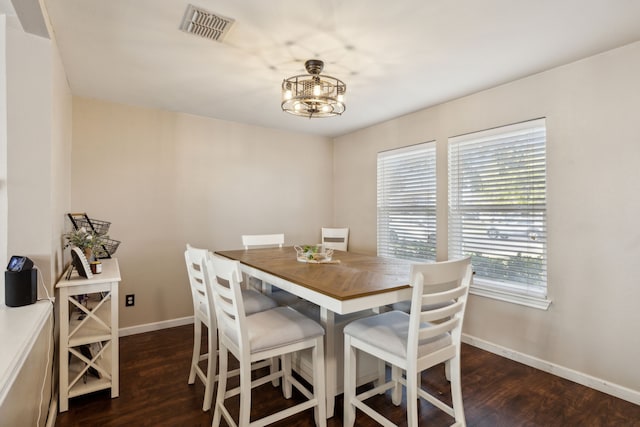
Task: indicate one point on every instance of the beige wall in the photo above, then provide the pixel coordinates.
(35, 148)
(166, 179)
(60, 181)
(28, 146)
(593, 183)
(4, 197)
(38, 151)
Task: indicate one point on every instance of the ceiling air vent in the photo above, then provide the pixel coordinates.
(205, 24)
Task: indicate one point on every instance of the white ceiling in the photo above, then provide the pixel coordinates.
(395, 56)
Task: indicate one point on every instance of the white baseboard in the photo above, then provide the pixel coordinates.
(604, 386)
(156, 326)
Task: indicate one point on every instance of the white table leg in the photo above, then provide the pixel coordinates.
(327, 319)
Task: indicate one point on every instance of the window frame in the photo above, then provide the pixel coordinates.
(406, 202)
(469, 228)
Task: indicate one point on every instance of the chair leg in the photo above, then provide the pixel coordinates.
(349, 382)
(382, 374)
(274, 369)
(319, 391)
(456, 390)
(412, 398)
(286, 377)
(245, 392)
(382, 366)
(195, 358)
(222, 387)
(447, 370)
(396, 393)
(212, 343)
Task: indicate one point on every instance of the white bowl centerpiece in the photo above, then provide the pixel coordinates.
(313, 253)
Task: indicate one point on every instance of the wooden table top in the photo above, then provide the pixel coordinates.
(355, 276)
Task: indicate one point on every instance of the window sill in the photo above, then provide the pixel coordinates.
(541, 303)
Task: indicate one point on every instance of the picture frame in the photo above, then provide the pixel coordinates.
(80, 263)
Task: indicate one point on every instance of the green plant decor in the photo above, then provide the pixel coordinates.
(87, 239)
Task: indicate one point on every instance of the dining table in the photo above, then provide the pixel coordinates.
(347, 283)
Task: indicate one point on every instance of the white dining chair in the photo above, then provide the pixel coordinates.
(413, 342)
(335, 238)
(272, 333)
(268, 241)
(265, 240)
(203, 314)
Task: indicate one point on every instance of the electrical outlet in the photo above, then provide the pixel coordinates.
(130, 300)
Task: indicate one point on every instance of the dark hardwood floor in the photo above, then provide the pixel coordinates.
(497, 392)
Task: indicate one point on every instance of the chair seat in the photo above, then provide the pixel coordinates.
(278, 327)
(312, 311)
(254, 301)
(280, 296)
(392, 328)
(283, 297)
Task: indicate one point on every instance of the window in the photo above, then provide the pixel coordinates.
(407, 202)
(497, 210)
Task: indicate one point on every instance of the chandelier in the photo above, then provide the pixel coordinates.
(314, 94)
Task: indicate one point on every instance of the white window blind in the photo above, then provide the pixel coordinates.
(497, 208)
(407, 202)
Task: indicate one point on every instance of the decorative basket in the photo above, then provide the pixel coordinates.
(110, 246)
(98, 226)
(313, 253)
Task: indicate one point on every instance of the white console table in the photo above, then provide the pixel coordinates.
(89, 321)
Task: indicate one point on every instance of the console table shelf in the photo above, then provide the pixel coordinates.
(89, 333)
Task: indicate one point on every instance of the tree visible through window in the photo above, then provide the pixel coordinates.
(497, 206)
(407, 202)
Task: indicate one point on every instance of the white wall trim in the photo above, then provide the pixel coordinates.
(599, 384)
(53, 410)
(480, 289)
(155, 326)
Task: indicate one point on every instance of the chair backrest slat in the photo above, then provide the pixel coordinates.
(249, 240)
(228, 301)
(441, 313)
(225, 301)
(438, 329)
(443, 296)
(194, 258)
(335, 238)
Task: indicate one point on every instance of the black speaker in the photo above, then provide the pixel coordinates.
(20, 287)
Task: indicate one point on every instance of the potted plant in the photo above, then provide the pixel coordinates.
(90, 242)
